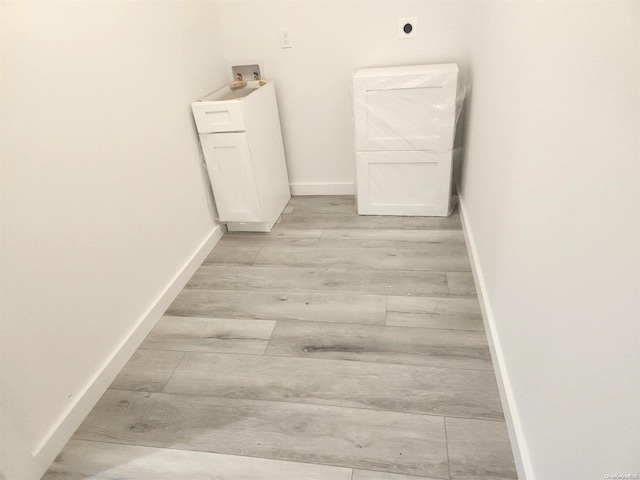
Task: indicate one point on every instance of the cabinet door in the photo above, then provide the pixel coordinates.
(404, 183)
(232, 177)
(405, 112)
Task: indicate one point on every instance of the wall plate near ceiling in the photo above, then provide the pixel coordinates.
(407, 27)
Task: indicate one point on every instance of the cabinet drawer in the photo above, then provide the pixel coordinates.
(404, 183)
(214, 117)
(232, 176)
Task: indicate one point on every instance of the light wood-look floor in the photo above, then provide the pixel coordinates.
(337, 347)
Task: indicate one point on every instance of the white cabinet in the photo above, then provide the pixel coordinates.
(242, 144)
(405, 128)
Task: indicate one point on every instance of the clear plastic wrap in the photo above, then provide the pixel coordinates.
(405, 123)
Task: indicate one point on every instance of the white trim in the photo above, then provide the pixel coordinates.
(61, 432)
(514, 426)
(322, 188)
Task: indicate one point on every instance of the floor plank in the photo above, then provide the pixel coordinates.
(461, 284)
(410, 237)
(438, 259)
(392, 239)
(323, 204)
(369, 343)
(434, 312)
(399, 388)
(452, 221)
(311, 221)
(276, 236)
(287, 210)
(232, 255)
(276, 305)
(435, 247)
(366, 439)
(369, 475)
(479, 450)
(147, 371)
(390, 282)
(282, 238)
(454, 239)
(84, 460)
(192, 334)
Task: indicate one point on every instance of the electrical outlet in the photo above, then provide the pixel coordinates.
(285, 38)
(408, 27)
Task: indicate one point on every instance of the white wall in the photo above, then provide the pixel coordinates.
(551, 198)
(103, 197)
(331, 40)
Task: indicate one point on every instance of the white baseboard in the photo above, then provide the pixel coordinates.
(322, 189)
(58, 436)
(512, 419)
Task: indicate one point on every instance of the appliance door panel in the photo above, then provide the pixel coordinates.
(405, 113)
(404, 183)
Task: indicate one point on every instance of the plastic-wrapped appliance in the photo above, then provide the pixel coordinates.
(405, 121)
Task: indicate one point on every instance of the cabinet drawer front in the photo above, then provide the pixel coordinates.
(404, 183)
(232, 177)
(409, 112)
(215, 117)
